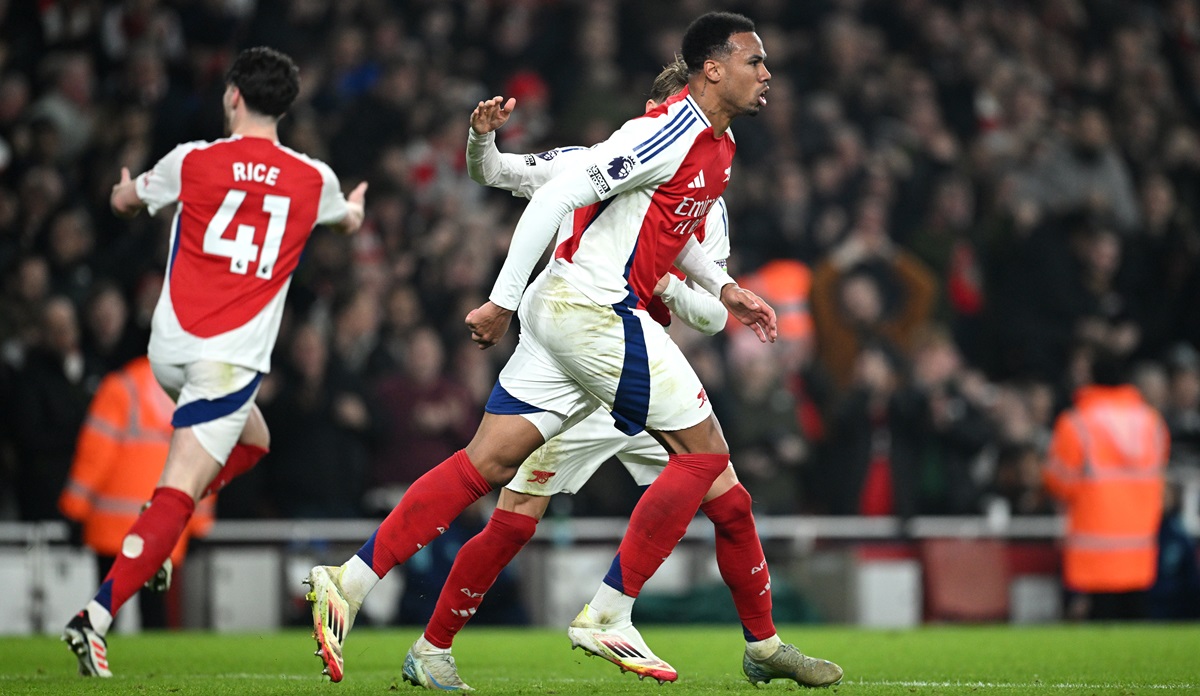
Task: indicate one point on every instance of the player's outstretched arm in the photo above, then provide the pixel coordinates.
(751, 310)
(124, 199)
(355, 210)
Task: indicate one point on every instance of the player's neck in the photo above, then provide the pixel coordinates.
(248, 127)
(705, 96)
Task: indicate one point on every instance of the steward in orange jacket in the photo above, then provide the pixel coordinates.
(1106, 463)
(119, 457)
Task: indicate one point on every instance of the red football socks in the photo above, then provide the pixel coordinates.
(477, 565)
(428, 507)
(661, 518)
(741, 561)
(148, 543)
(240, 460)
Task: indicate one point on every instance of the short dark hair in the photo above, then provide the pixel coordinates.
(708, 36)
(268, 80)
(670, 81)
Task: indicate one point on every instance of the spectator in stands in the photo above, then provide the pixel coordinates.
(1085, 171)
(108, 337)
(425, 413)
(319, 413)
(1018, 480)
(70, 250)
(871, 466)
(868, 290)
(26, 289)
(953, 404)
(1183, 406)
(1175, 594)
(764, 436)
(945, 243)
(50, 397)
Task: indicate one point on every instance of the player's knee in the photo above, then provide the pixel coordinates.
(523, 504)
(727, 480)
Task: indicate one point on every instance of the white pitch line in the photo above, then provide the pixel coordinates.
(1021, 685)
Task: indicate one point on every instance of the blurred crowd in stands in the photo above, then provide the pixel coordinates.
(952, 204)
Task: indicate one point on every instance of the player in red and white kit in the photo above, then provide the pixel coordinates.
(244, 208)
(587, 339)
(567, 461)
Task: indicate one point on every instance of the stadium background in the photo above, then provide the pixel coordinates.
(980, 193)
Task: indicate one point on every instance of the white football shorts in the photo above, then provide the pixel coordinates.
(212, 398)
(575, 355)
(566, 462)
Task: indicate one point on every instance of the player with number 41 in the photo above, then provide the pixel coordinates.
(244, 208)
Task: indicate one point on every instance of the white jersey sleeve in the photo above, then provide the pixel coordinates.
(535, 229)
(702, 269)
(524, 174)
(332, 208)
(159, 187)
(693, 305)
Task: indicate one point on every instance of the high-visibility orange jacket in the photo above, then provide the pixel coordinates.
(1106, 463)
(119, 458)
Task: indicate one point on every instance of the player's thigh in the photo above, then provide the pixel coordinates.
(214, 401)
(500, 444)
(643, 457)
(566, 462)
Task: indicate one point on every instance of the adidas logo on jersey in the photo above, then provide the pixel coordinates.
(698, 182)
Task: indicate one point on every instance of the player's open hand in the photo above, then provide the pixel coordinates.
(125, 178)
(751, 310)
(359, 195)
(491, 114)
(488, 324)
(124, 199)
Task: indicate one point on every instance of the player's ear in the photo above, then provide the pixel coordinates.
(713, 70)
(650, 104)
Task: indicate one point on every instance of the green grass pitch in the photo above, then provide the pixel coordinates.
(983, 660)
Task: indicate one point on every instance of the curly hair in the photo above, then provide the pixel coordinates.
(708, 36)
(268, 80)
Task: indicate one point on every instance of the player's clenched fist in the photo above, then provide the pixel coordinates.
(488, 324)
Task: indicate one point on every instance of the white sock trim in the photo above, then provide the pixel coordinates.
(424, 646)
(762, 649)
(610, 606)
(357, 580)
(99, 616)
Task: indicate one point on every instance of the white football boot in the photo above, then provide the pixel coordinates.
(619, 643)
(332, 614)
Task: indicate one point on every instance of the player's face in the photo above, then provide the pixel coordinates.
(746, 76)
